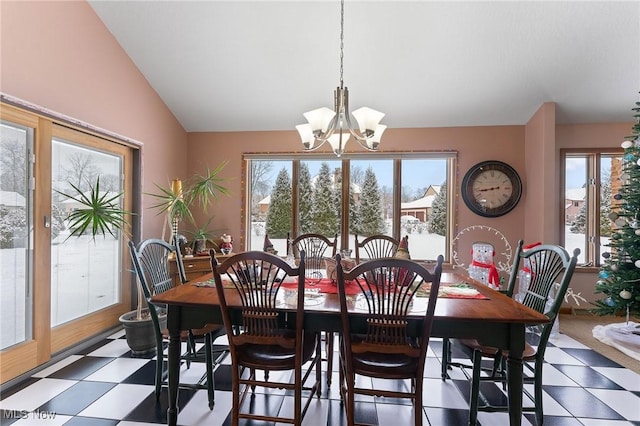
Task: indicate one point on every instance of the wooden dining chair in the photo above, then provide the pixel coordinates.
(263, 337)
(317, 248)
(151, 263)
(383, 347)
(551, 269)
(375, 247)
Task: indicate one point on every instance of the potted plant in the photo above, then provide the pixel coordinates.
(177, 200)
(201, 235)
(100, 213)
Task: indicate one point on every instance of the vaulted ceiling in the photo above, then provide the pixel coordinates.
(258, 65)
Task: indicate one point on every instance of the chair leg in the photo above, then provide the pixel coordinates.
(159, 370)
(475, 388)
(319, 364)
(537, 393)
(446, 358)
(417, 390)
(209, 360)
(329, 351)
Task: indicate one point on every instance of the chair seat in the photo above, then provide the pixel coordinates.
(275, 356)
(529, 353)
(397, 366)
(215, 330)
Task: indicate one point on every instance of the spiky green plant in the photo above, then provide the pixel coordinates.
(100, 212)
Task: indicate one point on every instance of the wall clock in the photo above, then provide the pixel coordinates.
(491, 188)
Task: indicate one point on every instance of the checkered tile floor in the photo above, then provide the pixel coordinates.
(105, 385)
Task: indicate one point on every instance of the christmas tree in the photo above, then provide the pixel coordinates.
(619, 281)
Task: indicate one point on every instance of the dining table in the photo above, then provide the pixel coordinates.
(489, 316)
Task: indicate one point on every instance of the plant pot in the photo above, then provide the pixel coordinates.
(140, 333)
(199, 246)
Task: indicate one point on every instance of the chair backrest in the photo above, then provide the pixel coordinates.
(551, 269)
(256, 276)
(388, 287)
(151, 263)
(317, 248)
(375, 247)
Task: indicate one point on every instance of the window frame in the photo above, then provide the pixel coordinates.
(397, 156)
(593, 157)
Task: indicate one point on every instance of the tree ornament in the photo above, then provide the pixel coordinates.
(609, 302)
(624, 177)
(637, 231)
(637, 263)
(618, 196)
(614, 268)
(620, 221)
(626, 144)
(625, 294)
(606, 255)
(629, 157)
(613, 216)
(603, 274)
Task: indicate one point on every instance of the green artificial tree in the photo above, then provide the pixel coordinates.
(619, 278)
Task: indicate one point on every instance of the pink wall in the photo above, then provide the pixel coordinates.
(473, 144)
(60, 56)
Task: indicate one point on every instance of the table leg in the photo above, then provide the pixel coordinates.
(174, 372)
(514, 374)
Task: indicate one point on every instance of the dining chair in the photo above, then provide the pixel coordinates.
(375, 247)
(317, 248)
(551, 269)
(385, 348)
(151, 263)
(264, 337)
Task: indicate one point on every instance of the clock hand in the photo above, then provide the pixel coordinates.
(489, 189)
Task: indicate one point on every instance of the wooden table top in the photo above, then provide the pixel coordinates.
(497, 308)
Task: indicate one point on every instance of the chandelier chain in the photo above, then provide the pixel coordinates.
(341, 42)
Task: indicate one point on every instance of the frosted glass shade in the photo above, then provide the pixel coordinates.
(368, 119)
(334, 141)
(320, 118)
(306, 135)
(374, 140)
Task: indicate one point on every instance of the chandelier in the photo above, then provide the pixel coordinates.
(334, 126)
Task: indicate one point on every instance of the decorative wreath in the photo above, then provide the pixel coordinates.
(502, 259)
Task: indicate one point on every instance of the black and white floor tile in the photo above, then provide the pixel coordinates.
(105, 385)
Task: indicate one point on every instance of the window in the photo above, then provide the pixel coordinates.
(395, 194)
(591, 180)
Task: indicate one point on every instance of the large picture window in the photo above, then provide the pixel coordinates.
(394, 194)
(591, 180)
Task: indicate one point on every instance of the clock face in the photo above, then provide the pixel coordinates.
(491, 188)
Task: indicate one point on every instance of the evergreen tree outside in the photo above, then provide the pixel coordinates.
(605, 206)
(371, 219)
(305, 199)
(619, 281)
(279, 214)
(354, 213)
(438, 217)
(325, 217)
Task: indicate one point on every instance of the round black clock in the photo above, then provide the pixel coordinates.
(491, 188)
